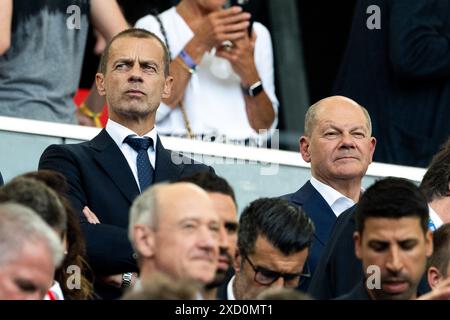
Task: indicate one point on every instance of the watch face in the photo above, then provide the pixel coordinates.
(255, 90)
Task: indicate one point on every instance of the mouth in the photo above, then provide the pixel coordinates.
(224, 263)
(346, 158)
(395, 287)
(136, 93)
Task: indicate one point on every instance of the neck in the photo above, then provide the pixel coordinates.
(139, 125)
(209, 294)
(349, 188)
(190, 11)
(442, 208)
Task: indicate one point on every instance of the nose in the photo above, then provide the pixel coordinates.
(394, 262)
(135, 73)
(208, 240)
(279, 283)
(347, 140)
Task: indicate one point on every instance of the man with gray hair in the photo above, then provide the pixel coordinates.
(30, 253)
(339, 145)
(175, 230)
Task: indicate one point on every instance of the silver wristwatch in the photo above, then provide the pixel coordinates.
(126, 279)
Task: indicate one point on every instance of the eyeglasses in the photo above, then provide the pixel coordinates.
(266, 277)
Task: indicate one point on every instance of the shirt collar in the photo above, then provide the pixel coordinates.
(119, 132)
(230, 293)
(336, 200)
(437, 221)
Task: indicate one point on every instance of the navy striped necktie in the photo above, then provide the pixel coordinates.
(144, 167)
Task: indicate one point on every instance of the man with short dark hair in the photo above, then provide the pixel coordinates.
(225, 205)
(273, 243)
(108, 172)
(392, 240)
(439, 264)
(339, 269)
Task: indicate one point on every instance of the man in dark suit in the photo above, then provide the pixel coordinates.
(338, 144)
(339, 270)
(392, 240)
(108, 172)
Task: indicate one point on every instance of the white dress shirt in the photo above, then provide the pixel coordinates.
(118, 133)
(437, 221)
(230, 294)
(337, 201)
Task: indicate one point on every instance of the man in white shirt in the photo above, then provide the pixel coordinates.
(108, 172)
(338, 144)
(219, 90)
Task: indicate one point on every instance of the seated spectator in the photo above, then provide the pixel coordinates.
(75, 244)
(439, 263)
(45, 202)
(175, 230)
(273, 243)
(339, 270)
(392, 240)
(222, 196)
(30, 252)
(223, 89)
(40, 70)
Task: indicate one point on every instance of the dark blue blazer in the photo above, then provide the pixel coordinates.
(315, 206)
(99, 177)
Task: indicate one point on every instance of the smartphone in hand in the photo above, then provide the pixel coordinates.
(245, 7)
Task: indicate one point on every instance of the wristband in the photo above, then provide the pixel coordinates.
(187, 59)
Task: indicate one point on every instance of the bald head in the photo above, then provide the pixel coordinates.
(334, 102)
(175, 229)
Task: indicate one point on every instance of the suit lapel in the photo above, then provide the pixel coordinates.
(113, 162)
(317, 209)
(165, 168)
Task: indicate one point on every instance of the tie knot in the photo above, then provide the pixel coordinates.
(139, 144)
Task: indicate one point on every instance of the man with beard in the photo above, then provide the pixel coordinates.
(392, 239)
(274, 238)
(224, 203)
(108, 172)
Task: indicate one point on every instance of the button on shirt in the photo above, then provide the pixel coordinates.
(118, 133)
(337, 201)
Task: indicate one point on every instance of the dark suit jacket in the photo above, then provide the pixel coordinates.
(99, 177)
(338, 270)
(401, 74)
(323, 217)
(358, 292)
(1, 179)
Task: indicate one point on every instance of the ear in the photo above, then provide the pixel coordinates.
(357, 239)
(100, 83)
(433, 276)
(304, 148)
(144, 240)
(237, 261)
(373, 143)
(429, 243)
(168, 83)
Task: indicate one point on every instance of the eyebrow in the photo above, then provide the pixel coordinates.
(131, 61)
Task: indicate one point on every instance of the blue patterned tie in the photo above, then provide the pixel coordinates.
(144, 167)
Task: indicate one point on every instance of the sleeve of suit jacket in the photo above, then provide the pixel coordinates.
(419, 38)
(109, 250)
